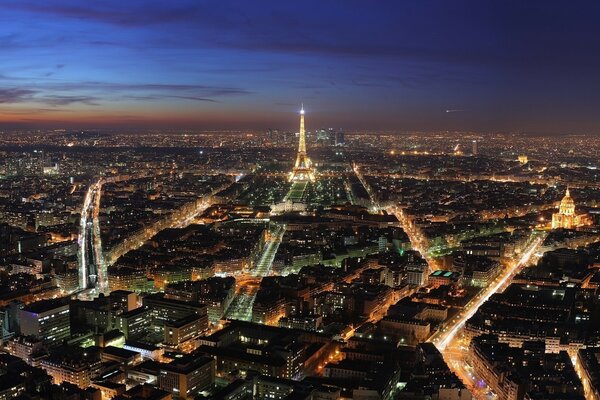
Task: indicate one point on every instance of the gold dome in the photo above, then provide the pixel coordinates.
(567, 204)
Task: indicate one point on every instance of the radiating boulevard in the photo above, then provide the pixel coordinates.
(241, 306)
(265, 262)
(415, 237)
(447, 339)
(92, 268)
(93, 261)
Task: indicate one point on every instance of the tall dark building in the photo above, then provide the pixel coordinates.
(340, 140)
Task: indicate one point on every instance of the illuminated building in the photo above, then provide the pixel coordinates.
(187, 376)
(523, 159)
(66, 368)
(165, 310)
(406, 328)
(28, 349)
(148, 352)
(310, 322)
(566, 217)
(303, 170)
(441, 277)
(277, 352)
(47, 320)
(216, 292)
(12, 386)
(474, 150)
(416, 274)
(126, 278)
(134, 323)
(124, 357)
(589, 361)
(182, 330)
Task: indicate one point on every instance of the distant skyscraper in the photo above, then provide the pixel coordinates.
(474, 147)
(322, 135)
(303, 169)
(339, 138)
(330, 137)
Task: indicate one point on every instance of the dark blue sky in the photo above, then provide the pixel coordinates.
(399, 65)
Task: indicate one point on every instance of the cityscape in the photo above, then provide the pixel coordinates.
(274, 257)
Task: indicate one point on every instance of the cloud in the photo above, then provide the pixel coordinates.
(123, 14)
(207, 90)
(17, 95)
(58, 100)
(162, 97)
(30, 111)
(12, 95)
(56, 92)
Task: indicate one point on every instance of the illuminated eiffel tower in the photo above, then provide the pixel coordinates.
(303, 170)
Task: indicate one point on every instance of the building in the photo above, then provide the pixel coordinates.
(441, 277)
(128, 279)
(187, 376)
(416, 273)
(109, 389)
(28, 349)
(340, 139)
(124, 300)
(589, 362)
(149, 392)
(216, 292)
(127, 358)
(169, 310)
(308, 322)
(411, 329)
(566, 218)
(11, 386)
(47, 320)
(524, 373)
(178, 332)
(277, 352)
(478, 271)
(75, 370)
(148, 351)
(134, 323)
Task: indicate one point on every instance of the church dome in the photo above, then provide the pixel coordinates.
(567, 204)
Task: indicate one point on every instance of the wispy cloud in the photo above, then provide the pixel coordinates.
(126, 15)
(57, 100)
(11, 95)
(92, 93)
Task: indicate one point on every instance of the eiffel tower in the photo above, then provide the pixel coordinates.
(303, 170)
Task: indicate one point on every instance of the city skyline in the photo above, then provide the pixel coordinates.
(397, 66)
(318, 200)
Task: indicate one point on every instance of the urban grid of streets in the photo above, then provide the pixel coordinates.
(450, 343)
(447, 339)
(93, 262)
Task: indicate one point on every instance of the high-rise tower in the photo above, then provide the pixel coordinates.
(303, 169)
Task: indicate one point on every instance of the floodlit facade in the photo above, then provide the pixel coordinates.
(566, 218)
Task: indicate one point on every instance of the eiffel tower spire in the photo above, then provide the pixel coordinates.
(303, 169)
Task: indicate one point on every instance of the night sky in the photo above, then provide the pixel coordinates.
(523, 66)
